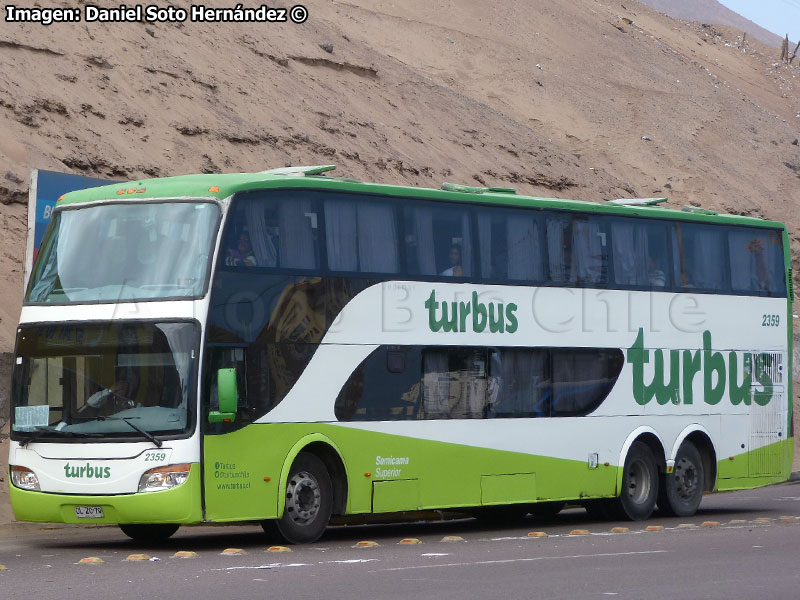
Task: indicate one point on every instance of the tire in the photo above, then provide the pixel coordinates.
(309, 503)
(639, 484)
(682, 490)
(149, 533)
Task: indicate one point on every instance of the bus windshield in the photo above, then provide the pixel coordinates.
(75, 381)
(125, 251)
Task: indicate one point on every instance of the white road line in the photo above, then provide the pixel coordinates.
(348, 561)
(270, 566)
(515, 560)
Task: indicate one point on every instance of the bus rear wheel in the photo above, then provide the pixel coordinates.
(639, 483)
(682, 490)
(309, 502)
(149, 533)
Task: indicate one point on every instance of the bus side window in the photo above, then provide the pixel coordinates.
(559, 248)
(699, 257)
(438, 241)
(589, 264)
(384, 387)
(454, 383)
(756, 258)
(519, 383)
(583, 378)
(281, 230)
(510, 245)
(361, 235)
(639, 252)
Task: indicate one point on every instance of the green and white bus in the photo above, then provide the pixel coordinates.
(284, 347)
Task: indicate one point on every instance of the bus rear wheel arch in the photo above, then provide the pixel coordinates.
(309, 500)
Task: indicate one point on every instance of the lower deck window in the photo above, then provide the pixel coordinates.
(412, 382)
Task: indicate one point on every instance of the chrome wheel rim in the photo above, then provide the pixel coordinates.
(303, 498)
(639, 481)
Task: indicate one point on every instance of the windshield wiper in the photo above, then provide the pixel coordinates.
(40, 432)
(144, 432)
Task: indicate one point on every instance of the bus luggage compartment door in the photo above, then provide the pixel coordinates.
(395, 495)
(512, 488)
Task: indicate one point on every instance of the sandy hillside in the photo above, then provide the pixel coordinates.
(551, 97)
(712, 11)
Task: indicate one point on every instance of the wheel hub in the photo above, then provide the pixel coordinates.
(302, 498)
(639, 482)
(685, 477)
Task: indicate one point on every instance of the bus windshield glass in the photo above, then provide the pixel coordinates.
(125, 252)
(76, 381)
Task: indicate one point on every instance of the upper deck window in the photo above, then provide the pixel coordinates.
(640, 254)
(438, 240)
(125, 252)
(510, 245)
(271, 230)
(756, 258)
(361, 235)
(699, 259)
(332, 233)
(576, 250)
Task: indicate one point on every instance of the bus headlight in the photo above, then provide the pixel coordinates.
(24, 478)
(163, 478)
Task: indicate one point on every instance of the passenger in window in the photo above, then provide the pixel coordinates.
(242, 255)
(455, 269)
(654, 274)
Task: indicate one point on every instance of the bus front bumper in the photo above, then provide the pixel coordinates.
(181, 504)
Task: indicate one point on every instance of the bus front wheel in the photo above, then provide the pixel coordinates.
(682, 490)
(149, 533)
(639, 483)
(309, 502)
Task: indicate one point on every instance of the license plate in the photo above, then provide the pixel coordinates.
(89, 512)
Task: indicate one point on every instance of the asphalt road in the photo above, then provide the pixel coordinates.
(751, 552)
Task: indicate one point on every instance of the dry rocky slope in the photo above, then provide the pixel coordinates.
(552, 97)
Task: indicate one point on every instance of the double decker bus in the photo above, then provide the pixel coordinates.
(283, 347)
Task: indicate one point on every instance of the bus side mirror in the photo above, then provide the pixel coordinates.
(228, 395)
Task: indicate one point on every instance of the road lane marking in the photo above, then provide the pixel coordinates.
(271, 566)
(350, 561)
(516, 560)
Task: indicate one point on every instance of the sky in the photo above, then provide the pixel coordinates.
(778, 16)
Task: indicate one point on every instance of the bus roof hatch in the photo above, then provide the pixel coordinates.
(301, 171)
(638, 201)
